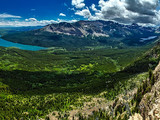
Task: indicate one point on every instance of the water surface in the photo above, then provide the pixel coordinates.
(149, 38)
(5, 43)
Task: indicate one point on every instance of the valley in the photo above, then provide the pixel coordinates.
(67, 82)
(36, 83)
(80, 60)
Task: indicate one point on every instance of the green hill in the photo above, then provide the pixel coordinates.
(34, 84)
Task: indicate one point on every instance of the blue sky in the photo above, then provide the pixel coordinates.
(42, 12)
(41, 9)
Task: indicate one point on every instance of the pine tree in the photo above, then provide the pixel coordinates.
(152, 79)
(150, 74)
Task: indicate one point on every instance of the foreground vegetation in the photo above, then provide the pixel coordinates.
(33, 84)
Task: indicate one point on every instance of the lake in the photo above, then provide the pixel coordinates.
(5, 43)
(149, 38)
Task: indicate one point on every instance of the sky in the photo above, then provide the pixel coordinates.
(43, 12)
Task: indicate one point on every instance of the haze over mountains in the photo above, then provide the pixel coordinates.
(85, 33)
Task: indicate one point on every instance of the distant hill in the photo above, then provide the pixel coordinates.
(85, 33)
(9, 30)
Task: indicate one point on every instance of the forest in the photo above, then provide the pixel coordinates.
(34, 84)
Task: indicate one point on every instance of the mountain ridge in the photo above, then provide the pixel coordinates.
(85, 33)
(103, 28)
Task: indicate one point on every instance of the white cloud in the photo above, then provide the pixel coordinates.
(62, 14)
(31, 22)
(137, 11)
(113, 9)
(31, 19)
(85, 13)
(73, 21)
(26, 22)
(71, 9)
(69, 21)
(78, 3)
(124, 11)
(93, 7)
(5, 15)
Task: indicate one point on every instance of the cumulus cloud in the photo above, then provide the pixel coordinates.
(85, 13)
(145, 7)
(93, 7)
(124, 11)
(62, 14)
(78, 3)
(113, 10)
(130, 11)
(5, 15)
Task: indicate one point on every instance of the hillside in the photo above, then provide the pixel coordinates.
(57, 82)
(150, 103)
(86, 33)
(149, 106)
(137, 99)
(140, 103)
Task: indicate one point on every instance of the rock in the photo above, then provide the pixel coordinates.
(136, 117)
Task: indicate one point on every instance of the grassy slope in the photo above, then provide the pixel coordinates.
(30, 81)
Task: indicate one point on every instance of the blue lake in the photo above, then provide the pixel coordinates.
(149, 38)
(5, 43)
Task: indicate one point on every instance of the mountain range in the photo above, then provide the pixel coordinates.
(85, 33)
(97, 28)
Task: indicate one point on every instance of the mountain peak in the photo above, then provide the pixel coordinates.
(135, 24)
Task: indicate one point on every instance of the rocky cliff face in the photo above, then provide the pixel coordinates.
(150, 103)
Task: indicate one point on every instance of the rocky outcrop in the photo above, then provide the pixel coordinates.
(136, 117)
(150, 103)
